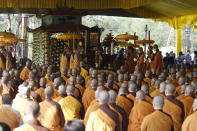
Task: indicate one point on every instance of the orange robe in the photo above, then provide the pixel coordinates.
(87, 81)
(130, 64)
(63, 63)
(64, 78)
(40, 92)
(131, 96)
(175, 82)
(2, 63)
(58, 99)
(74, 61)
(187, 102)
(0, 101)
(157, 63)
(101, 121)
(175, 109)
(51, 115)
(84, 73)
(19, 104)
(156, 92)
(148, 80)
(8, 62)
(157, 121)
(80, 87)
(24, 75)
(149, 99)
(140, 61)
(178, 90)
(139, 111)
(87, 98)
(93, 107)
(125, 103)
(190, 123)
(152, 88)
(31, 127)
(9, 117)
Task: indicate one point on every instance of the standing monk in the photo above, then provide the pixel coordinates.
(157, 65)
(140, 60)
(130, 64)
(158, 120)
(65, 59)
(51, 115)
(74, 59)
(141, 109)
(26, 70)
(103, 119)
(174, 107)
(2, 60)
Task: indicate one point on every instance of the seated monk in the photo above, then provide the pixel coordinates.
(24, 75)
(132, 91)
(120, 79)
(152, 87)
(79, 84)
(181, 82)
(64, 75)
(7, 89)
(62, 93)
(21, 100)
(72, 81)
(156, 92)
(40, 90)
(112, 78)
(158, 120)
(188, 99)
(122, 101)
(17, 77)
(141, 109)
(148, 77)
(145, 88)
(87, 79)
(93, 76)
(121, 113)
(32, 110)
(126, 77)
(51, 115)
(84, 72)
(33, 95)
(182, 95)
(74, 125)
(104, 118)
(57, 82)
(71, 106)
(89, 94)
(194, 84)
(94, 105)
(162, 89)
(9, 115)
(109, 85)
(173, 107)
(190, 122)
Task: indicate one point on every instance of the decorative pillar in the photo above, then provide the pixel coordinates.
(24, 36)
(178, 41)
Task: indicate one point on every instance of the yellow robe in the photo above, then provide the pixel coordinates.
(131, 97)
(156, 92)
(178, 90)
(175, 112)
(9, 117)
(93, 107)
(157, 121)
(190, 123)
(63, 63)
(187, 102)
(58, 99)
(84, 73)
(40, 92)
(148, 80)
(29, 127)
(138, 112)
(80, 88)
(152, 88)
(125, 103)
(49, 116)
(2, 64)
(100, 121)
(71, 108)
(87, 98)
(0, 101)
(149, 99)
(74, 62)
(24, 75)
(19, 104)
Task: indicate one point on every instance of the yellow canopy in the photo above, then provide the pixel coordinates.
(124, 44)
(7, 37)
(142, 42)
(126, 37)
(5, 44)
(69, 36)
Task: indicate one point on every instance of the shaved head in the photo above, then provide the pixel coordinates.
(194, 104)
(140, 95)
(170, 89)
(98, 90)
(183, 89)
(189, 90)
(57, 82)
(72, 80)
(132, 87)
(133, 77)
(70, 89)
(49, 92)
(94, 83)
(32, 109)
(43, 82)
(120, 77)
(124, 85)
(182, 80)
(122, 91)
(145, 88)
(62, 90)
(112, 96)
(25, 92)
(103, 97)
(162, 87)
(158, 102)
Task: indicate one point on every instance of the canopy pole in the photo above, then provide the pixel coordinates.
(86, 37)
(178, 41)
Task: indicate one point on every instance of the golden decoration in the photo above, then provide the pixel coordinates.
(124, 44)
(142, 42)
(126, 37)
(7, 37)
(69, 36)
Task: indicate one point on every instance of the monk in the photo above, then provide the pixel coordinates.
(64, 61)
(162, 89)
(190, 122)
(157, 64)
(94, 75)
(132, 91)
(79, 84)
(74, 125)
(89, 94)
(31, 114)
(145, 88)
(57, 82)
(122, 101)
(188, 99)
(157, 86)
(64, 75)
(120, 79)
(71, 106)
(140, 60)
(141, 109)
(62, 93)
(158, 120)
(130, 64)
(9, 59)
(7, 89)
(40, 90)
(104, 118)
(2, 60)
(94, 105)
(74, 60)
(121, 113)
(182, 95)
(84, 72)
(51, 115)
(24, 75)
(88, 77)
(9, 115)
(33, 95)
(174, 107)
(17, 77)
(21, 99)
(148, 77)
(72, 81)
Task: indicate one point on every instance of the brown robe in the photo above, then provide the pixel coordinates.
(87, 98)
(190, 123)
(187, 102)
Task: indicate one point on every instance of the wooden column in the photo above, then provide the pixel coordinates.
(24, 36)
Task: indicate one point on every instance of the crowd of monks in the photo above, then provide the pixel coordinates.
(137, 97)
